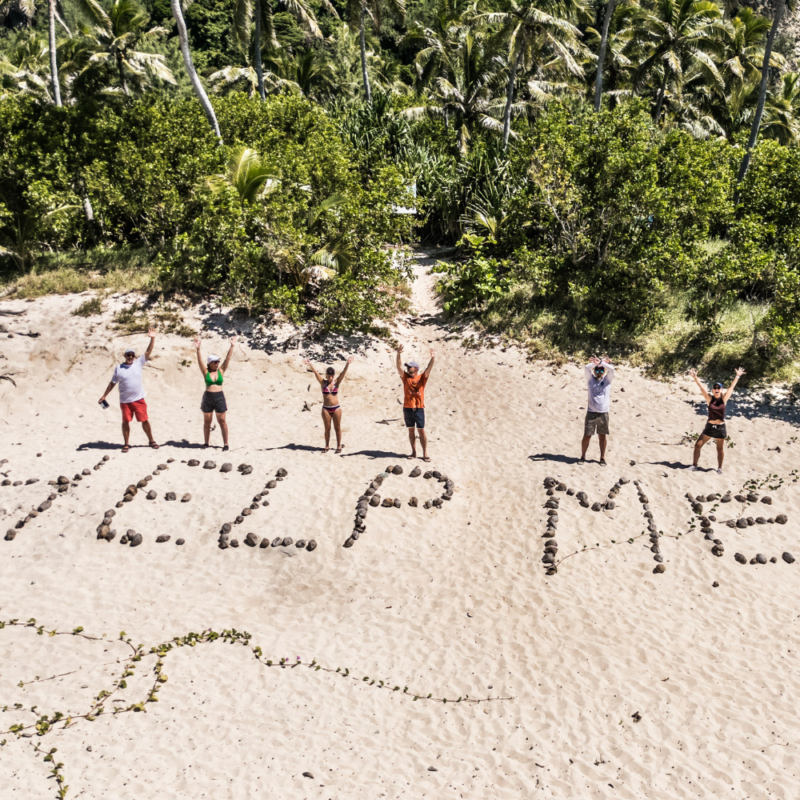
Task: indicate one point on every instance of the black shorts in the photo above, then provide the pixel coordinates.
(715, 431)
(213, 401)
(414, 417)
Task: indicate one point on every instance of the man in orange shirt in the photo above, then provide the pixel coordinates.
(414, 401)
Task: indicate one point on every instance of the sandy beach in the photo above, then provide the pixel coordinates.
(603, 680)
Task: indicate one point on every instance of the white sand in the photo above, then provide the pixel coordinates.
(454, 602)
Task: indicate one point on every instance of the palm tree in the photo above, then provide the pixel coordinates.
(308, 71)
(183, 39)
(615, 43)
(246, 174)
(679, 34)
(230, 79)
(114, 46)
(467, 95)
(541, 34)
(780, 7)
(357, 12)
(782, 113)
(260, 12)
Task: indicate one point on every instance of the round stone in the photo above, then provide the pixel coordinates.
(740, 558)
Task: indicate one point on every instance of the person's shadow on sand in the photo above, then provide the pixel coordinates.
(100, 446)
(562, 459)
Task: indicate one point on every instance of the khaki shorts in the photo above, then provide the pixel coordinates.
(596, 422)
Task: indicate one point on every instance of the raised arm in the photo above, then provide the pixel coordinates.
(152, 334)
(739, 373)
(430, 364)
(610, 369)
(398, 361)
(228, 357)
(344, 371)
(693, 373)
(313, 369)
(199, 356)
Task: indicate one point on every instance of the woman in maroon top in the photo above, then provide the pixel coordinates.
(715, 426)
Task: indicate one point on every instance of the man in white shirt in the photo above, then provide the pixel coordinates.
(599, 375)
(131, 392)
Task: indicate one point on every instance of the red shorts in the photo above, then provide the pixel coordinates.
(137, 407)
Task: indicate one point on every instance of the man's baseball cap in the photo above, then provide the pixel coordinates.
(131, 351)
(413, 364)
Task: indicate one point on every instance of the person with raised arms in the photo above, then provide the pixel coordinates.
(213, 397)
(715, 424)
(331, 410)
(414, 401)
(599, 375)
(128, 376)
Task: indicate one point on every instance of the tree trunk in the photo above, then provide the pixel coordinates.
(762, 91)
(661, 93)
(363, 47)
(183, 38)
(257, 51)
(123, 83)
(51, 24)
(601, 58)
(512, 78)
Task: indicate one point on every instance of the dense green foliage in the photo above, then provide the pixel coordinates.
(599, 220)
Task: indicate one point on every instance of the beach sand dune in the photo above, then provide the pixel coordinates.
(623, 683)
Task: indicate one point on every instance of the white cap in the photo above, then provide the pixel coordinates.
(212, 358)
(129, 350)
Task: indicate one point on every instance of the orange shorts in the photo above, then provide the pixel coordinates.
(137, 408)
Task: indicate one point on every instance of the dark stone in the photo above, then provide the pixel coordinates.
(251, 540)
(436, 474)
(193, 462)
(711, 498)
(223, 543)
(105, 458)
(770, 520)
(397, 502)
(312, 545)
(550, 492)
(239, 520)
(427, 504)
(428, 475)
(86, 472)
(265, 503)
(349, 542)
(761, 558)
(135, 540)
(788, 558)
(551, 504)
(288, 541)
(63, 480)
(643, 500)
(659, 569)
(781, 519)
(741, 522)
(248, 469)
(103, 531)
(697, 508)
(767, 500)
(753, 561)
(7, 482)
(124, 539)
(253, 506)
(760, 521)
(570, 492)
(437, 503)
(648, 515)
(740, 498)
(180, 541)
(300, 543)
(110, 535)
(281, 473)
(718, 541)
(584, 503)
(186, 498)
(773, 560)
(561, 487)
(163, 538)
(596, 506)
(362, 512)
(752, 498)
(278, 540)
(368, 492)
(209, 465)
(715, 585)
(226, 528)
(226, 467)
(718, 550)
(20, 524)
(170, 460)
(398, 470)
(655, 549)
(549, 533)
(170, 496)
(271, 484)
(610, 505)
(658, 557)
(548, 558)
(34, 480)
(415, 473)
(44, 506)
(387, 502)
(413, 502)
(246, 512)
(234, 542)
(264, 543)
(726, 498)
(308, 775)
(127, 499)
(751, 521)
(163, 466)
(740, 558)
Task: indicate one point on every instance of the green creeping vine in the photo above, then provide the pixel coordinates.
(46, 723)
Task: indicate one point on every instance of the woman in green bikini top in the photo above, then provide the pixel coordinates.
(213, 397)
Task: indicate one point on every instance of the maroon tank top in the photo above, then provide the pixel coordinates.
(716, 410)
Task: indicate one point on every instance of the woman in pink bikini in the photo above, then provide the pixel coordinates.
(331, 410)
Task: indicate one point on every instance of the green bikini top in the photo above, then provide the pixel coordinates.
(217, 382)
